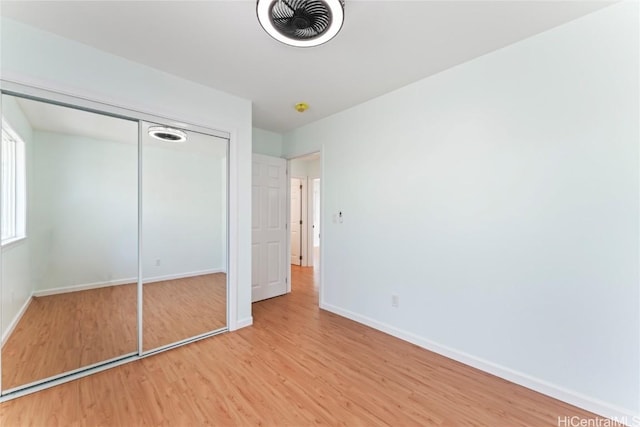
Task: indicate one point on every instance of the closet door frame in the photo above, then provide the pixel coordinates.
(67, 100)
(154, 350)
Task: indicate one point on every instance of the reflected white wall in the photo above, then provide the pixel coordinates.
(85, 210)
(16, 269)
(184, 207)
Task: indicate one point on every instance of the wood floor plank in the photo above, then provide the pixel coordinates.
(174, 310)
(296, 366)
(62, 332)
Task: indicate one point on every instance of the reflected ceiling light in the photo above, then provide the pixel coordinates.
(301, 23)
(167, 134)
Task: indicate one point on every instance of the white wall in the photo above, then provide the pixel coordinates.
(267, 142)
(16, 274)
(313, 168)
(499, 201)
(298, 168)
(85, 204)
(38, 58)
(306, 168)
(183, 220)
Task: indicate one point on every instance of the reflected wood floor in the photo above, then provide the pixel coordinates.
(174, 310)
(63, 332)
(298, 365)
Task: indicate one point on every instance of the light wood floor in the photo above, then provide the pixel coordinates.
(296, 366)
(63, 332)
(174, 310)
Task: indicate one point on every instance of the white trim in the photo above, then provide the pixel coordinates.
(310, 229)
(184, 341)
(83, 287)
(233, 246)
(182, 275)
(139, 296)
(288, 177)
(16, 320)
(18, 178)
(304, 216)
(65, 379)
(130, 280)
(93, 369)
(569, 396)
(323, 226)
(7, 243)
(64, 374)
(37, 90)
(243, 323)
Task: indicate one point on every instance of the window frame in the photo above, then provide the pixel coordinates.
(17, 195)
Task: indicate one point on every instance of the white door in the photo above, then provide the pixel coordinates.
(296, 221)
(316, 224)
(316, 212)
(269, 232)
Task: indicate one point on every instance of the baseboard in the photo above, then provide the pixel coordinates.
(182, 275)
(83, 287)
(15, 320)
(623, 415)
(243, 323)
(118, 282)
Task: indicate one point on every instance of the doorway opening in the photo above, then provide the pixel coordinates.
(297, 223)
(316, 223)
(304, 204)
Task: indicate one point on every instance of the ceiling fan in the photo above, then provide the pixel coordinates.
(301, 23)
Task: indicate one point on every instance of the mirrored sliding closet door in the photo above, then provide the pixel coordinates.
(69, 240)
(114, 238)
(184, 235)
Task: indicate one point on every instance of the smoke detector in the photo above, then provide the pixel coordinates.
(301, 23)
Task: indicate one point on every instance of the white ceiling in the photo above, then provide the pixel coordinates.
(43, 116)
(58, 119)
(383, 45)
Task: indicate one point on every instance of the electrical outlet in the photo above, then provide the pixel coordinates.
(395, 301)
(158, 262)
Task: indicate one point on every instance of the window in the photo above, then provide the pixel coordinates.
(13, 189)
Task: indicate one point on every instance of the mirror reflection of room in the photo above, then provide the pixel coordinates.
(184, 219)
(69, 239)
(70, 215)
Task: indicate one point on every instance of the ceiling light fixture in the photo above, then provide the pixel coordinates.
(167, 134)
(301, 23)
(302, 107)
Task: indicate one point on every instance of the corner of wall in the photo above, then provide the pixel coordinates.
(241, 323)
(266, 142)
